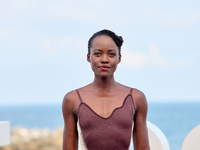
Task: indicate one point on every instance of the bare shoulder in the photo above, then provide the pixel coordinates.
(139, 99)
(70, 97)
(70, 101)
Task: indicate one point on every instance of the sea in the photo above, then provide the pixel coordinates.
(175, 120)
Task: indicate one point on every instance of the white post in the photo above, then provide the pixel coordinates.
(4, 133)
(157, 139)
(192, 140)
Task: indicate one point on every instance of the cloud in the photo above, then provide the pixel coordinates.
(6, 32)
(12, 8)
(156, 58)
(181, 17)
(48, 47)
(133, 59)
(153, 57)
(100, 13)
(175, 17)
(87, 11)
(96, 11)
(73, 46)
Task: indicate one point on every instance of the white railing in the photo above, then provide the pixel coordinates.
(192, 140)
(4, 133)
(157, 139)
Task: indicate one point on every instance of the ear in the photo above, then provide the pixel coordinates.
(88, 58)
(119, 59)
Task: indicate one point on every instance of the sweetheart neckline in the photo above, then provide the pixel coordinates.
(112, 111)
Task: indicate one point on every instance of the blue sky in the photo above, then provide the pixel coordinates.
(43, 47)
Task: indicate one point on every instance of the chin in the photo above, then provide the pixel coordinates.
(104, 75)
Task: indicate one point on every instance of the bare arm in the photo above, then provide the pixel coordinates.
(70, 136)
(140, 133)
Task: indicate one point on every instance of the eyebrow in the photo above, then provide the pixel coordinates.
(108, 50)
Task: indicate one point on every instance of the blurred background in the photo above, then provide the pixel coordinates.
(43, 48)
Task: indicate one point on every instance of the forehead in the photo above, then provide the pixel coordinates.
(104, 41)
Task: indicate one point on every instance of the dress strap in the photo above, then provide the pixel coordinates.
(131, 91)
(79, 96)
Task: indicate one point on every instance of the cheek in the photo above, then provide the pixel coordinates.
(93, 60)
(115, 62)
(94, 63)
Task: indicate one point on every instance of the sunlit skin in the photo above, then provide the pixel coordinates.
(103, 95)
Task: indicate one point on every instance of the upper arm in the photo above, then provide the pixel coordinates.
(70, 135)
(140, 133)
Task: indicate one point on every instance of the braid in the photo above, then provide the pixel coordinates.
(117, 39)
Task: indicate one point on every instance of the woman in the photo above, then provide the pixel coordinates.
(105, 114)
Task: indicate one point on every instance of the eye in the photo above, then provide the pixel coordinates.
(112, 54)
(97, 54)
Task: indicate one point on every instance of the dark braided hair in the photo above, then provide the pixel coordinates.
(117, 39)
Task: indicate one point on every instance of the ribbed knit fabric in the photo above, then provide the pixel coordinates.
(111, 133)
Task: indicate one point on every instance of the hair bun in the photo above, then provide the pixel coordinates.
(120, 37)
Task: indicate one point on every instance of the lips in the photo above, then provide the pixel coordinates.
(104, 67)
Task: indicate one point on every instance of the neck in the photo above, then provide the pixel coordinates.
(104, 84)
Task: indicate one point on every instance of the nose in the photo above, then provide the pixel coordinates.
(104, 59)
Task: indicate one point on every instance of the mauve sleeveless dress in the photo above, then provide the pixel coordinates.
(111, 133)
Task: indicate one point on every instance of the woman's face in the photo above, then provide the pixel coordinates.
(104, 56)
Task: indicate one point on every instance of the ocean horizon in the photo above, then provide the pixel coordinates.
(175, 120)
